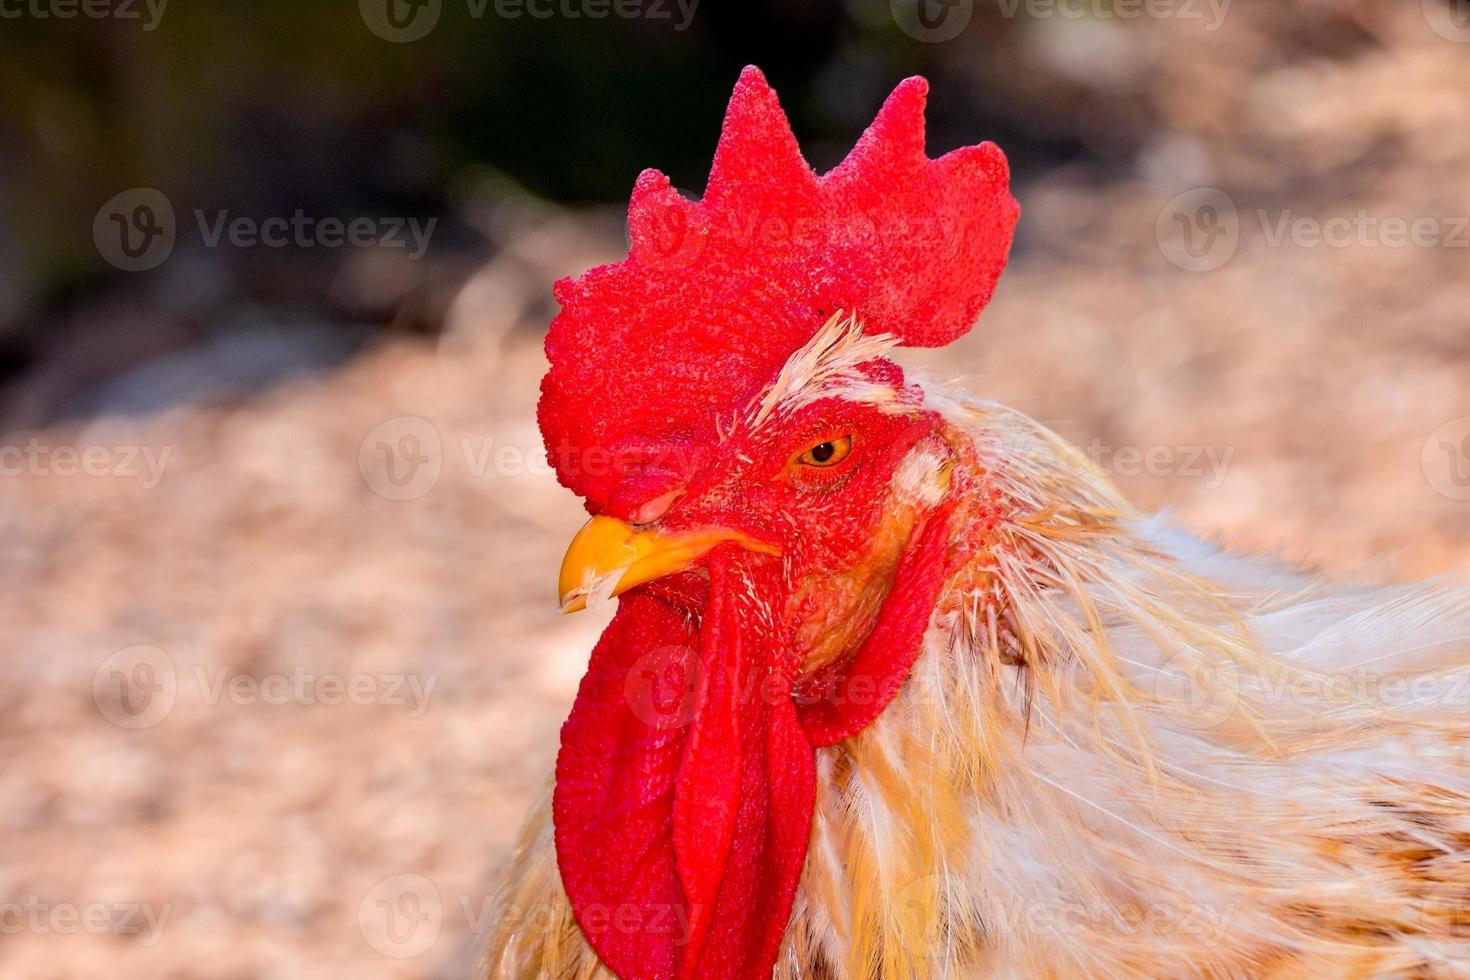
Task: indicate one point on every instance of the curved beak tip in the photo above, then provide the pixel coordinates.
(608, 557)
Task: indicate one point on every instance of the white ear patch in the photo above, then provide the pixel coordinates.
(922, 476)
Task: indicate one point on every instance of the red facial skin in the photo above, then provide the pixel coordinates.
(686, 779)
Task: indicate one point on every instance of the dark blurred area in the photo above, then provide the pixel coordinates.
(274, 108)
(271, 108)
(275, 278)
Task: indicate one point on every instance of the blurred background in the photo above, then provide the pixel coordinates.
(277, 541)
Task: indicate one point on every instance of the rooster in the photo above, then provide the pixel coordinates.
(898, 686)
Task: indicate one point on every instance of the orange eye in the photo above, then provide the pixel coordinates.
(828, 453)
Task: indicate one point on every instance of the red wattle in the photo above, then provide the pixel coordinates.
(684, 794)
(746, 791)
(708, 796)
(840, 701)
(614, 798)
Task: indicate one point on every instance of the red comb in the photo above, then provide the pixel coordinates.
(647, 354)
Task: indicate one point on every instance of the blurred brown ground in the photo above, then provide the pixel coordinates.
(267, 831)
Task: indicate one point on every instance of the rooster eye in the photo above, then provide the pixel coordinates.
(828, 453)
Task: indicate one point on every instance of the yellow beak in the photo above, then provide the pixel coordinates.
(609, 557)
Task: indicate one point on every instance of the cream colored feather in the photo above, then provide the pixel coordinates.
(1122, 753)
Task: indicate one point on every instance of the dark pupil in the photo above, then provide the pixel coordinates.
(823, 452)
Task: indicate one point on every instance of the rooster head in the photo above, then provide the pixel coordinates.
(771, 502)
